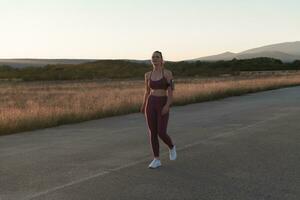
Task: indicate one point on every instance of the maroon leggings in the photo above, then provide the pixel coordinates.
(157, 123)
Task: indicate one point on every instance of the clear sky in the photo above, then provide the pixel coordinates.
(133, 29)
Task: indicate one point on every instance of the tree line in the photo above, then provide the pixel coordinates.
(123, 69)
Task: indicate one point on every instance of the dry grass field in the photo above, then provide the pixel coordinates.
(33, 105)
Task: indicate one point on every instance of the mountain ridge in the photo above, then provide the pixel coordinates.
(286, 52)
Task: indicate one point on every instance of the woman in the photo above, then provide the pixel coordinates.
(158, 97)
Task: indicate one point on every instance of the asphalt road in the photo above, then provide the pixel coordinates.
(244, 148)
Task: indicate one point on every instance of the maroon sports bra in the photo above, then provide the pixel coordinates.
(159, 84)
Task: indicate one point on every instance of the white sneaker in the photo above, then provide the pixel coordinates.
(155, 163)
(172, 153)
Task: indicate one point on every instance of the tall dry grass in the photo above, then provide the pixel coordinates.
(34, 105)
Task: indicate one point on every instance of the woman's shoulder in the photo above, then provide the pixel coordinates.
(147, 74)
(168, 73)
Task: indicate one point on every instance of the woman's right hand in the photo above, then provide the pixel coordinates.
(142, 109)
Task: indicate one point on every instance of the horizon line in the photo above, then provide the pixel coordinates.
(228, 51)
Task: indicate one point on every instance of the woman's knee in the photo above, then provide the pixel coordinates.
(162, 133)
(153, 134)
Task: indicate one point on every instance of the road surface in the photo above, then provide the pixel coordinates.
(244, 148)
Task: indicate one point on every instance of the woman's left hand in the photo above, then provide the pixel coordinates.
(165, 110)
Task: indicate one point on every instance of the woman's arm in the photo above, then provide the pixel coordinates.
(146, 93)
(170, 89)
(170, 80)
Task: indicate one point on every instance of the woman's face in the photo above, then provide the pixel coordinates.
(156, 58)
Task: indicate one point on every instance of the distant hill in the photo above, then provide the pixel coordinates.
(292, 48)
(21, 63)
(286, 52)
(138, 61)
(270, 54)
(124, 69)
(223, 56)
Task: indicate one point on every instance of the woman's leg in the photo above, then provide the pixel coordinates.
(162, 124)
(151, 117)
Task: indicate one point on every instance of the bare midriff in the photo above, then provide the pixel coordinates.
(158, 92)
